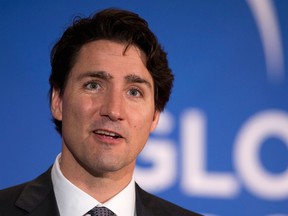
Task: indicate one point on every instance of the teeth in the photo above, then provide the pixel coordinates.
(106, 133)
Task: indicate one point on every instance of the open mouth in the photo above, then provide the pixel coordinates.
(105, 133)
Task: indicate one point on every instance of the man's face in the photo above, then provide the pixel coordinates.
(107, 108)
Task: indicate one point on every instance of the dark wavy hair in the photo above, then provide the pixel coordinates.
(115, 25)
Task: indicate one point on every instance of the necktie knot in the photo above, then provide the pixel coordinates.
(101, 211)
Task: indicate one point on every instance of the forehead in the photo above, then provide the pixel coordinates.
(112, 57)
(114, 46)
(116, 59)
(106, 49)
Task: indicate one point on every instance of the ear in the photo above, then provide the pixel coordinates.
(155, 120)
(56, 104)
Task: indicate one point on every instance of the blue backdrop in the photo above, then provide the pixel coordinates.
(221, 147)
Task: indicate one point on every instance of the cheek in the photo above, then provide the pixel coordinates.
(143, 123)
(76, 111)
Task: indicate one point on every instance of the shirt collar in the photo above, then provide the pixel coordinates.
(71, 200)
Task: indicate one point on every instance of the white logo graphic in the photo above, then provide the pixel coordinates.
(270, 34)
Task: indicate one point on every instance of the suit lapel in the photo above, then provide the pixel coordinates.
(38, 197)
(143, 203)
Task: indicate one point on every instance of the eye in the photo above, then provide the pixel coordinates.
(92, 86)
(134, 92)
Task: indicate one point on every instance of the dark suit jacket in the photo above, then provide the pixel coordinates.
(36, 198)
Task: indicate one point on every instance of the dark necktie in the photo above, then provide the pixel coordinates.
(101, 211)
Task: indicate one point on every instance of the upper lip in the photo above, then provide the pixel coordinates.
(108, 133)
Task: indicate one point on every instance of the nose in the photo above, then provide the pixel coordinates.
(112, 106)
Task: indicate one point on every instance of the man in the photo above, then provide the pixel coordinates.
(109, 82)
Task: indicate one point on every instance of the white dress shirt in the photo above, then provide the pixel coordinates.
(71, 200)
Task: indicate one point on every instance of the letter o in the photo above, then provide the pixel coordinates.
(246, 154)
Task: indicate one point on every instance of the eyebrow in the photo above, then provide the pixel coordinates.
(95, 74)
(131, 78)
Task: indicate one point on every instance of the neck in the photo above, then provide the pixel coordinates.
(103, 185)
